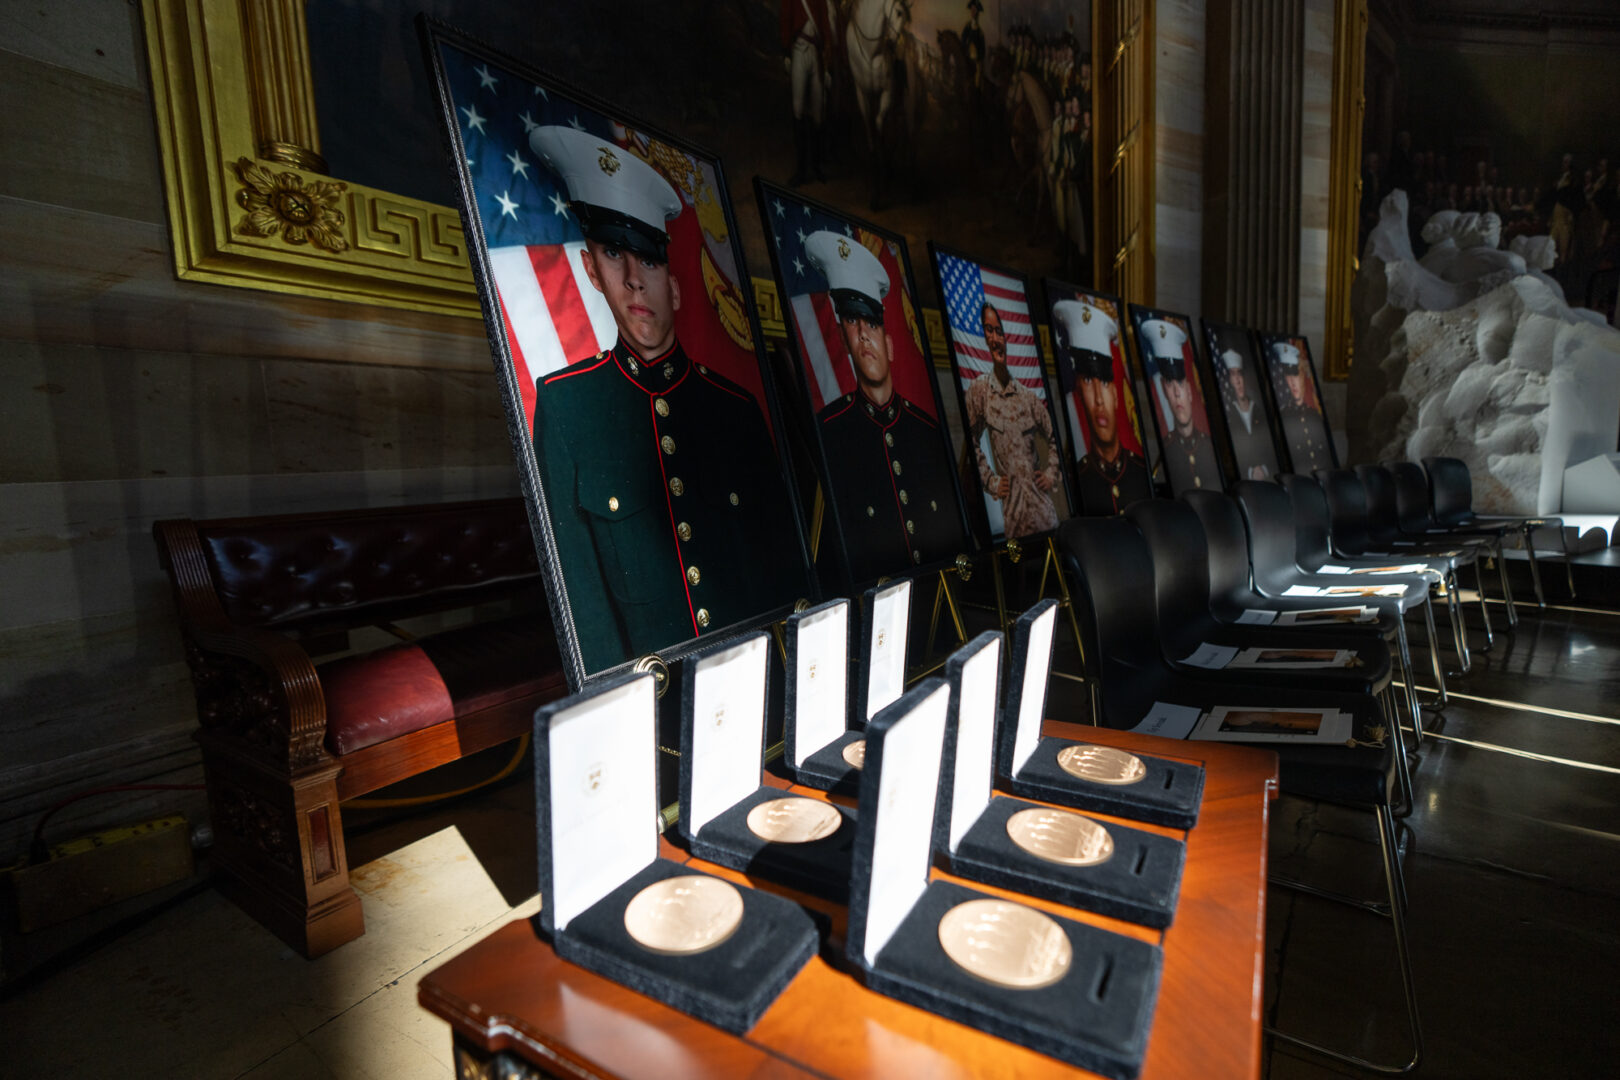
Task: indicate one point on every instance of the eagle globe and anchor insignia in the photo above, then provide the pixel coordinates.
(608, 162)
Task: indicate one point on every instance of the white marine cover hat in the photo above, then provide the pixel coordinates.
(856, 280)
(1089, 334)
(617, 198)
(1163, 340)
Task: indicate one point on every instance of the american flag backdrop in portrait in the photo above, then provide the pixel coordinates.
(552, 313)
(809, 310)
(968, 287)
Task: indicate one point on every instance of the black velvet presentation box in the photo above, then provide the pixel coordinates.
(824, 767)
(1169, 794)
(1097, 1015)
(874, 648)
(1138, 882)
(820, 867)
(730, 985)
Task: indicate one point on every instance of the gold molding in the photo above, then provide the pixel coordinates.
(248, 199)
(1125, 137)
(1344, 192)
(230, 84)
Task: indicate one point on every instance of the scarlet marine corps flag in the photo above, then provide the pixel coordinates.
(553, 315)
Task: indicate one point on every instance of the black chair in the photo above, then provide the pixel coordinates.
(1232, 594)
(1451, 501)
(1314, 551)
(1180, 554)
(1112, 568)
(1349, 510)
(1269, 514)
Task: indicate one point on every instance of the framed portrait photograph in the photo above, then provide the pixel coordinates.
(1106, 439)
(857, 337)
(1298, 394)
(621, 321)
(1012, 433)
(1240, 380)
(1180, 404)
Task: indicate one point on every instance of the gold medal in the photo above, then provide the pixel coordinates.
(794, 820)
(683, 915)
(1060, 837)
(855, 754)
(1101, 764)
(1006, 944)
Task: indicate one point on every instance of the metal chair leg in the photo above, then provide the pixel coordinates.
(1403, 767)
(1535, 570)
(1507, 588)
(1459, 633)
(1403, 656)
(1434, 654)
(1396, 913)
(1484, 608)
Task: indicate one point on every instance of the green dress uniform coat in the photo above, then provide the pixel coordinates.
(891, 483)
(666, 501)
(1192, 464)
(1107, 487)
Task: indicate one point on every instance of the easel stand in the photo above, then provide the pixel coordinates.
(1014, 553)
(944, 597)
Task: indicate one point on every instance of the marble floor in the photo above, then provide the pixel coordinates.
(1512, 869)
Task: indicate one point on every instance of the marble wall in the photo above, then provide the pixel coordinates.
(134, 397)
(1178, 117)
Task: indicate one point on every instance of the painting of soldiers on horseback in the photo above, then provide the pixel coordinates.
(966, 121)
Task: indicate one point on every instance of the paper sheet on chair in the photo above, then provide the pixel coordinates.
(1345, 590)
(1328, 616)
(1168, 721)
(1213, 657)
(1403, 568)
(1292, 659)
(1238, 723)
(1256, 617)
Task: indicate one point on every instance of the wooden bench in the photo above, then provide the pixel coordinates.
(286, 739)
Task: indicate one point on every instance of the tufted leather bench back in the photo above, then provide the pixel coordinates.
(352, 567)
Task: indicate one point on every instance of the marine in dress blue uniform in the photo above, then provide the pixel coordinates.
(1188, 453)
(660, 476)
(1110, 477)
(889, 471)
(1303, 427)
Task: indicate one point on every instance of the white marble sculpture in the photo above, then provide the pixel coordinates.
(1474, 353)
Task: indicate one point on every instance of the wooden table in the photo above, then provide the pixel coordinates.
(517, 1010)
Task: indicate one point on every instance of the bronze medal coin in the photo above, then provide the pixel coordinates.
(1101, 764)
(1061, 837)
(794, 820)
(855, 754)
(683, 915)
(1006, 944)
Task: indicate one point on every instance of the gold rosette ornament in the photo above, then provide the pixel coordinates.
(284, 203)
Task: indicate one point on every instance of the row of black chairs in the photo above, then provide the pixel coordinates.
(1208, 558)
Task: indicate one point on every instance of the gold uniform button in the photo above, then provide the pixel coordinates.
(1115, 490)
(734, 499)
(905, 500)
(613, 502)
(897, 468)
(661, 407)
(703, 616)
(692, 575)
(675, 486)
(916, 556)
(684, 531)
(911, 526)
(1198, 481)
(668, 444)
(702, 370)
(933, 504)
(888, 438)
(871, 512)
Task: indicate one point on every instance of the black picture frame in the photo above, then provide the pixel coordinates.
(873, 535)
(1299, 441)
(964, 282)
(596, 644)
(1102, 486)
(1192, 458)
(1251, 439)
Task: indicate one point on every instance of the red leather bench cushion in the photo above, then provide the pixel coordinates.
(390, 692)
